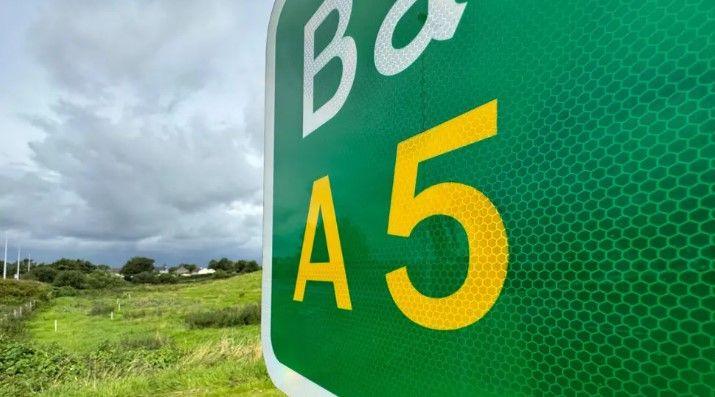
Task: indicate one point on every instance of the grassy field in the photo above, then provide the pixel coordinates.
(136, 342)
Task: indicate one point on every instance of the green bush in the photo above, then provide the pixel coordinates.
(224, 264)
(138, 265)
(71, 278)
(13, 292)
(155, 278)
(25, 370)
(73, 264)
(226, 317)
(229, 266)
(221, 274)
(43, 273)
(101, 308)
(65, 291)
(252, 266)
(166, 278)
(144, 278)
(102, 279)
(243, 266)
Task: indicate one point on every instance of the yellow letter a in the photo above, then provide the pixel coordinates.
(321, 202)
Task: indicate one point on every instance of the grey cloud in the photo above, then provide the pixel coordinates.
(155, 142)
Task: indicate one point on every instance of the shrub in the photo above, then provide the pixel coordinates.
(226, 317)
(72, 264)
(65, 291)
(138, 265)
(13, 292)
(101, 279)
(144, 278)
(246, 266)
(71, 278)
(224, 264)
(100, 309)
(221, 274)
(27, 370)
(251, 266)
(155, 278)
(166, 278)
(43, 273)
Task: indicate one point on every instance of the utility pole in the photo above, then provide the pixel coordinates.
(29, 260)
(17, 273)
(4, 262)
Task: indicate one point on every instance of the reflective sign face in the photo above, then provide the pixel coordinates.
(490, 198)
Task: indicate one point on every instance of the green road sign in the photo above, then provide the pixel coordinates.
(482, 197)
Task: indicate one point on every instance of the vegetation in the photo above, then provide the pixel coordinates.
(43, 273)
(71, 278)
(101, 308)
(14, 292)
(190, 267)
(229, 266)
(198, 338)
(155, 278)
(226, 317)
(26, 369)
(75, 274)
(70, 275)
(17, 301)
(138, 265)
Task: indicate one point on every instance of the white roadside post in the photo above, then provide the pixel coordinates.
(4, 262)
(17, 268)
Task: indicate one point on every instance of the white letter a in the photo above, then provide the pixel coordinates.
(443, 17)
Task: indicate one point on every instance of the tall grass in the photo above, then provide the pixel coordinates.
(225, 317)
(225, 349)
(149, 348)
(26, 369)
(146, 342)
(101, 308)
(18, 298)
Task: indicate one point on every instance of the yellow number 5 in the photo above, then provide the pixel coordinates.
(486, 236)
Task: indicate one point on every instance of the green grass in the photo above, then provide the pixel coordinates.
(225, 317)
(17, 301)
(148, 349)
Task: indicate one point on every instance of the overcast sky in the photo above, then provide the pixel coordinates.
(132, 128)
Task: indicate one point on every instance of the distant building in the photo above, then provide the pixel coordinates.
(204, 270)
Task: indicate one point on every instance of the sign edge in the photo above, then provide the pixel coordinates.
(286, 379)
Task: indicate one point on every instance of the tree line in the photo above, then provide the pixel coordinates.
(83, 274)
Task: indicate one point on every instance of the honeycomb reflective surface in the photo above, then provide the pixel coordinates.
(603, 172)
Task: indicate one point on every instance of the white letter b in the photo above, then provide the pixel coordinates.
(342, 47)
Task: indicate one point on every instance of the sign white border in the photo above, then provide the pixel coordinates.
(286, 379)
